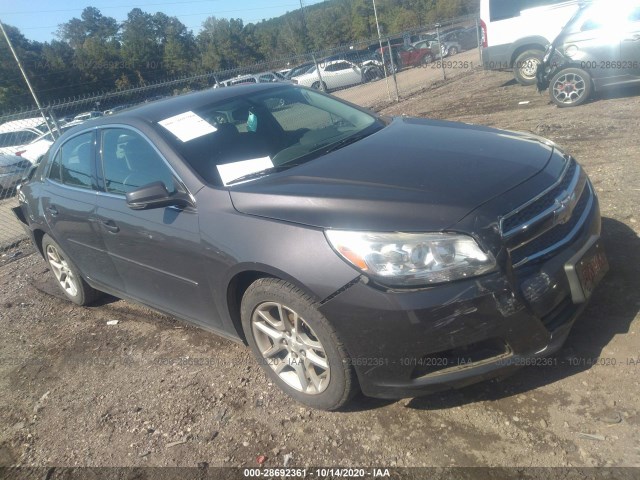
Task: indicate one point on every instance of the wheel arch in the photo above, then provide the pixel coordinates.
(38, 235)
(239, 282)
(535, 42)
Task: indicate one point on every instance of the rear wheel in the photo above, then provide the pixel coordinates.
(296, 345)
(526, 66)
(452, 51)
(570, 87)
(67, 274)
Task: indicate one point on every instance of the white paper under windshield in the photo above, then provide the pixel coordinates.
(187, 126)
(232, 171)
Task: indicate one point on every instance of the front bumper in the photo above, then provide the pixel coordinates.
(409, 343)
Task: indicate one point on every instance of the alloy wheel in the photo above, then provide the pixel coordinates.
(569, 88)
(62, 271)
(290, 347)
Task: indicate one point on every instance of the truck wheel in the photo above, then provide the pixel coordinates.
(526, 66)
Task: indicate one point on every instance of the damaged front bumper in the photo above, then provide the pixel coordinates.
(409, 343)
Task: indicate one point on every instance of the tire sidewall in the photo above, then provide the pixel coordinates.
(272, 290)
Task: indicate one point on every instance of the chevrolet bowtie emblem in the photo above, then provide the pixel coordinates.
(564, 208)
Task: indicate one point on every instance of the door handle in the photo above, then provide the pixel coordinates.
(52, 210)
(110, 226)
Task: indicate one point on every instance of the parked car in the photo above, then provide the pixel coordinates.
(299, 70)
(335, 74)
(82, 117)
(263, 77)
(410, 56)
(16, 134)
(35, 150)
(515, 35)
(587, 57)
(466, 38)
(344, 262)
(12, 170)
(355, 56)
(437, 51)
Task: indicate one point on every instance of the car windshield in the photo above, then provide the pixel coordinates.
(263, 132)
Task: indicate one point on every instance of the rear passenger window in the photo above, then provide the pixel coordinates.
(73, 163)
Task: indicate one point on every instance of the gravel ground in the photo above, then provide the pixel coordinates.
(152, 391)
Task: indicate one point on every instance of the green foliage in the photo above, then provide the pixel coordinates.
(95, 52)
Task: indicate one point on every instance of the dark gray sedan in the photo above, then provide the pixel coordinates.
(398, 256)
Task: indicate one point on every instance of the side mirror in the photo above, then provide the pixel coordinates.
(155, 195)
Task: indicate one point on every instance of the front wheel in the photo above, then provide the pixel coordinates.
(296, 346)
(570, 87)
(526, 66)
(318, 86)
(452, 51)
(67, 274)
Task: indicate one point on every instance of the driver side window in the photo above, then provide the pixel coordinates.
(129, 161)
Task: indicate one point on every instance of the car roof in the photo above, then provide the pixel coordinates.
(24, 124)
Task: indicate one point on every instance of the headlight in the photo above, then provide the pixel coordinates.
(412, 259)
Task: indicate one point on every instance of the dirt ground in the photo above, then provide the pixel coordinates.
(152, 391)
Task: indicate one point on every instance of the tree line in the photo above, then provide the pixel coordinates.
(97, 53)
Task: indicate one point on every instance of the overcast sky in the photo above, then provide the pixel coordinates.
(39, 19)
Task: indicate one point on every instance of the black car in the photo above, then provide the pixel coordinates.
(351, 251)
(599, 48)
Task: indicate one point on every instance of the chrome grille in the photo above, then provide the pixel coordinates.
(550, 220)
(546, 201)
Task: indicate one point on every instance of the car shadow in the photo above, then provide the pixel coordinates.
(614, 306)
(622, 91)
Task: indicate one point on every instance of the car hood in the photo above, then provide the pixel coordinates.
(412, 175)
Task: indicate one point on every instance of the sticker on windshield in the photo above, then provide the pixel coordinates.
(187, 126)
(232, 171)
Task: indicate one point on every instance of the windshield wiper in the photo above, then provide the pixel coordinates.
(346, 141)
(262, 173)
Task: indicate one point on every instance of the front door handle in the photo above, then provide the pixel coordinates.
(52, 210)
(110, 226)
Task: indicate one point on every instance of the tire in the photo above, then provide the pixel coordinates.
(570, 87)
(452, 51)
(297, 332)
(427, 59)
(316, 86)
(66, 274)
(524, 69)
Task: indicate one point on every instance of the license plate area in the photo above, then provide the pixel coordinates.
(586, 269)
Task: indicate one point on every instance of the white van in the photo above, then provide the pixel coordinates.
(515, 33)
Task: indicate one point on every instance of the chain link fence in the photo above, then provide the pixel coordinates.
(373, 74)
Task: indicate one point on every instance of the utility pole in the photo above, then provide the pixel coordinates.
(384, 66)
(26, 79)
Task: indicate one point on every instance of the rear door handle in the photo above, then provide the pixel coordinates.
(52, 210)
(110, 226)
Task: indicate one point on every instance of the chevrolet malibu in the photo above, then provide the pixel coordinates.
(350, 251)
